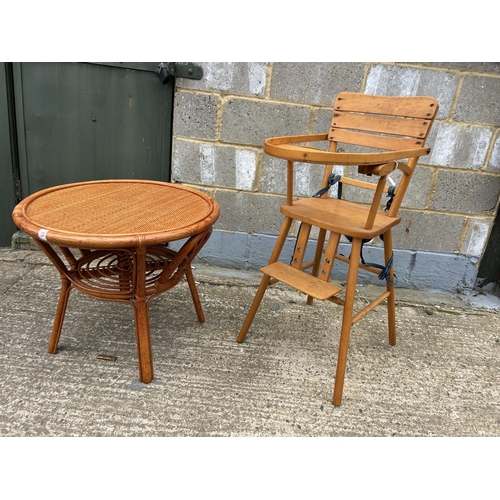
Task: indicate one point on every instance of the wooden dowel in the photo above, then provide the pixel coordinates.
(374, 208)
(289, 183)
(369, 307)
(370, 269)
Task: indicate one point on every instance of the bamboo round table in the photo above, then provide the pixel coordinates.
(113, 235)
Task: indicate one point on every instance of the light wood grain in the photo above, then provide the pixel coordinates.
(394, 129)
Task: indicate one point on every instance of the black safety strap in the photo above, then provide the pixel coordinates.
(384, 270)
(390, 194)
(332, 179)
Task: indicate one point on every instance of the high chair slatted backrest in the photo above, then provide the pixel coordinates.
(378, 123)
(393, 130)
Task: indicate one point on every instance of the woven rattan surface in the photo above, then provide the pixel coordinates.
(118, 227)
(123, 212)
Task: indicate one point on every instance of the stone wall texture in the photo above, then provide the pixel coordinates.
(221, 121)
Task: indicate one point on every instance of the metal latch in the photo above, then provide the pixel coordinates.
(189, 70)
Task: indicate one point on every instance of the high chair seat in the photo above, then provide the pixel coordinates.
(340, 216)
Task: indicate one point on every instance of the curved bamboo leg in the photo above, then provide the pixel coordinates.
(194, 294)
(181, 265)
(60, 312)
(345, 333)
(391, 300)
(141, 314)
(265, 279)
(63, 296)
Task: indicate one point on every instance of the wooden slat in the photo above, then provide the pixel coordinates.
(289, 183)
(409, 127)
(369, 307)
(301, 281)
(361, 184)
(301, 245)
(374, 141)
(290, 139)
(409, 107)
(373, 270)
(374, 207)
(329, 257)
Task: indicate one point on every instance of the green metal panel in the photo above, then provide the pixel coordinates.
(85, 121)
(7, 187)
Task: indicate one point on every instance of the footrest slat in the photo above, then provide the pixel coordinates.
(300, 280)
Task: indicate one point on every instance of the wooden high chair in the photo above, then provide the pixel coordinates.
(395, 130)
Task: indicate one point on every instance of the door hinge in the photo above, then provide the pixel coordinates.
(188, 70)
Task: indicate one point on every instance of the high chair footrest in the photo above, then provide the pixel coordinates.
(300, 280)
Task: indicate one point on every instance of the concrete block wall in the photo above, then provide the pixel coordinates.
(221, 121)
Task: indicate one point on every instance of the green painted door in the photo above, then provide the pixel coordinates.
(7, 176)
(87, 121)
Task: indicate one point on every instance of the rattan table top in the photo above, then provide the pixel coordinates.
(111, 213)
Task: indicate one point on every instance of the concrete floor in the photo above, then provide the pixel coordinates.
(441, 379)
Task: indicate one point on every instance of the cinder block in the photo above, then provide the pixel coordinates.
(434, 271)
(321, 122)
(403, 263)
(458, 145)
(418, 191)
(186, 160)
(416, 194)
(476, 238)
(195, 115)
(225, 249)
(479, 100)
(273, 179)
(428, 231)
(406, 81)
(246, 121)
(494, 162)
(273, 175)
(315, 82)
(239, 78)
(249, 213)
(465, 193)
(214, 165)
(260, 247)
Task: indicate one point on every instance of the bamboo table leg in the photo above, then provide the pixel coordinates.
(143, 338)
(60, 312)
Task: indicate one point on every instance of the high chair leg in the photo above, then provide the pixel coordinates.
(317, 258)
(391, 300)
(345, 333)
(278, 247)
(253, 309)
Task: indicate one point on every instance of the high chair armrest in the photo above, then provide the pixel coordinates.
(379, 170)
(284, 147)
